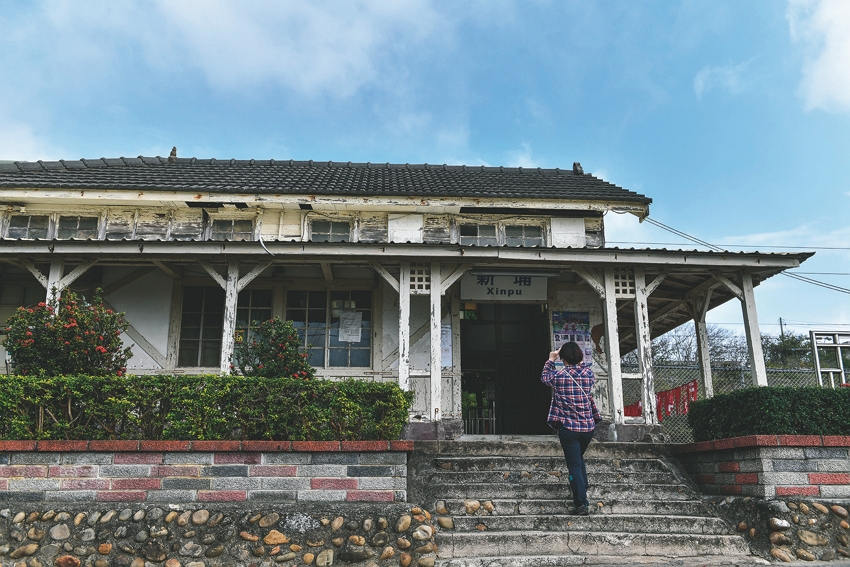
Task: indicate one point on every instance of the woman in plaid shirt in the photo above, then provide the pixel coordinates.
(572, 414)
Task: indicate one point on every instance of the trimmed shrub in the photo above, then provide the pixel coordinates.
(199, 407)
(273, 350)
(75, 338)
(771, 411)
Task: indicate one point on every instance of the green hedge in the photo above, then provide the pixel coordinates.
(199, 407)
(772, 411)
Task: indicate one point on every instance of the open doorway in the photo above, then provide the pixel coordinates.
(503, 348)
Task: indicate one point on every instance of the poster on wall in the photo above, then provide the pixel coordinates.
(349, 326)
(446, 345)
(572, 326)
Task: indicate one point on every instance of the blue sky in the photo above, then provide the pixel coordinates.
(733, 116)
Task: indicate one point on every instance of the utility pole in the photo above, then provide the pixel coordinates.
(781, 330)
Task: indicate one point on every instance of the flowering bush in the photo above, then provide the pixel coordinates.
(274, 351)
(75, 337)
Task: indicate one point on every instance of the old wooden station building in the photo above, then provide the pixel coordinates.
(419, 274)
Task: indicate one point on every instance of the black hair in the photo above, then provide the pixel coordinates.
(571, 353)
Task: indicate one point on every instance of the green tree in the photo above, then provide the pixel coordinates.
(274, 350)
(789, 350)
(75, 337)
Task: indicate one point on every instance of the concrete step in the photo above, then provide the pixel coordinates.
(536, 446)
(536, 543)
(657, 524)
(515, 561)
(538, 491)
(553, 477)
(504, 463)
(507, 507)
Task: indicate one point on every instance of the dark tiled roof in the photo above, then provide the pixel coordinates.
(312, 178)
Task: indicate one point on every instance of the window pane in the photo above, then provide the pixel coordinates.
(338, 357)
(242, 318)
(297, 299)
(317, 357)
(317, 316)
(261, 298)
(534, 242)
(467, 240)
(297, 315)
(340, 228)
(243, 226)
(339, 237)
(360, 357)
(316, 336)
(513, 241)
(188, 353)
(19, 221)
(513, 231)
(88, 223)
(210, 353)
(363, 299)
(222, 226)
(190, 333)
(468, 230)
(533, 231)
(487, 230)
(321, 227)
(260, 315)
(487, 241)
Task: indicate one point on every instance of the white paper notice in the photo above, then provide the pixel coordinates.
(446, 345)
(349, 326)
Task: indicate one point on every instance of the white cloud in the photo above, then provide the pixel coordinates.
(731, 78)
(822, 29)
(522, 157)
(20, 142)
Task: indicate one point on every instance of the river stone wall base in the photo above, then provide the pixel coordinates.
(789, 530)
(321, 534)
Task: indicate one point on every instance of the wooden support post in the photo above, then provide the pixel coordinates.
(612, 348)
(698, 308)
(404, 327)
(175, 317)
(644, 348)
(751, 326)
(231, 296)
(57, 268)
(436, 353)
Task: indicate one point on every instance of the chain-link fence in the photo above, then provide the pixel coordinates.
(725, 378)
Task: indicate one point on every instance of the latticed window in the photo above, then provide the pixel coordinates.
(201, 327)
(28, 226)
(232, 229)
(624, 282)
(77, 227)
(21, 296)
(523, 235)
(329, 321)
(330, 231)
(254, 307)
(478, 235)
(420, 279)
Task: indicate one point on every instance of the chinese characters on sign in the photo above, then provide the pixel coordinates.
(502, 288)
(569, 326)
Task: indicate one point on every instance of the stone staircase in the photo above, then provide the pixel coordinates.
(505, 502)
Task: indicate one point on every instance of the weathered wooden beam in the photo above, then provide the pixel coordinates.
(42, 279)
(141, 341)
(327, 272)
(589, 275)
(72, 276)
(644, 348)
(213, 274)
(175, 316)
(127, 280)
(730, 285)
(54, 276)
(751, 328)
(612, 348)
(698, 308)
(404, 327)
(174, 273)
(450, 279)
(252, 275)
(653, 285)
(388, 277)
(415, 337)
(436, 404)
(231, 297)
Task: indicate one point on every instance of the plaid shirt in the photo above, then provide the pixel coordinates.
(570, 406)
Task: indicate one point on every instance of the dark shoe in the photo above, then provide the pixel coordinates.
(580, 511)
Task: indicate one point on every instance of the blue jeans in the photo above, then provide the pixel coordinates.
(574, 444)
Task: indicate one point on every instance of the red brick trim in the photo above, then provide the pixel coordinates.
(130, 446)
(836, 440)
(747, 478)
(798, 491)
(763, 441)
(369, 496)
(829, 478)
(731, 466)
(333, 483)
(800, 440)
(222, 495)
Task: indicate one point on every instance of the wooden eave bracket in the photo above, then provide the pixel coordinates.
(70, 278)
(174, 273)
(590, 276)
(252, 275)
(388, 277)
(653, 285)
(42, 279)
(213, 274)
(447, 281)
(729, 284)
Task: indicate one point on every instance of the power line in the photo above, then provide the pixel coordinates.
(718, 249)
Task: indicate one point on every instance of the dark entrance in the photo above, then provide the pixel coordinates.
(503, 349)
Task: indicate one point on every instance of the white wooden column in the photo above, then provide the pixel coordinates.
(612, 348)
(644, 348)
(699, 307)
(751, 326)
(436, 354)
(54, 276)
(404, 326)
(231, 296)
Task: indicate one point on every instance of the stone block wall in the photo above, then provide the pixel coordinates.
(770, 465)
(175, 472)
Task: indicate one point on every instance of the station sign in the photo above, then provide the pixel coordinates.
(502, 288)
